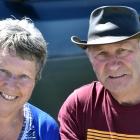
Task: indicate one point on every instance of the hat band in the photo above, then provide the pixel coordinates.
(107, 39)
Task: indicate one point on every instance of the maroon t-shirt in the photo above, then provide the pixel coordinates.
(90, 112)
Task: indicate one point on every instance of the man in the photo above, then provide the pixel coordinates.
(108, 108)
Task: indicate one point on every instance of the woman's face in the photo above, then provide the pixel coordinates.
(17, 80)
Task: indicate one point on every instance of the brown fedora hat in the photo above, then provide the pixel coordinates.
(110, 24)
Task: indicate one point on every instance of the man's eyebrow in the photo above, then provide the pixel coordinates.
(96, 47)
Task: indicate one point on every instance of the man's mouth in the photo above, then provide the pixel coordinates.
(117, 76)
(8, 97)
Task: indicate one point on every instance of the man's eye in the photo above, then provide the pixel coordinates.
(123, 52)
(101, 55)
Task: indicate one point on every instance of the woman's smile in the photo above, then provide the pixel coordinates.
(8, 97)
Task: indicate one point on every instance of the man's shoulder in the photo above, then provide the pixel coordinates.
(82, 99)
(85, 92)
(89, 89)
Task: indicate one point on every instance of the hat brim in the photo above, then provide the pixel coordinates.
(102, 41)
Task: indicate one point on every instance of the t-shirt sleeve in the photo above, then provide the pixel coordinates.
(76, 113)
(71, 118)
(67, 118)
(71, 115)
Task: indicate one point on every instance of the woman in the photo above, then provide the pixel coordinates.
(22, 57)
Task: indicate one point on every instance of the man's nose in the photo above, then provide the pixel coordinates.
(114, 63)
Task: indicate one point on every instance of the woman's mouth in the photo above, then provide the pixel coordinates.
(8, 97)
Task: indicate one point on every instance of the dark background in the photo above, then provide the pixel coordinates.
(67, 67)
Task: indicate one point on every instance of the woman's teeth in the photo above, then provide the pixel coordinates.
(8, 97)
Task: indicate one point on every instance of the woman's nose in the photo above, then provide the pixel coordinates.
(12, 81)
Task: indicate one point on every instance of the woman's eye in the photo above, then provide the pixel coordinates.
(24, 77)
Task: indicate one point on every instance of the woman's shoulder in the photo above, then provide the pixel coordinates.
(41, 115)
(45, 125)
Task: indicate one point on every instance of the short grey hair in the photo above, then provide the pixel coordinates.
(23, 38)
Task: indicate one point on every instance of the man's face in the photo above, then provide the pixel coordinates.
(17, 80)
(117, 65)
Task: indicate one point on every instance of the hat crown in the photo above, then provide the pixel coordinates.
(110, 24)
(113, 21)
